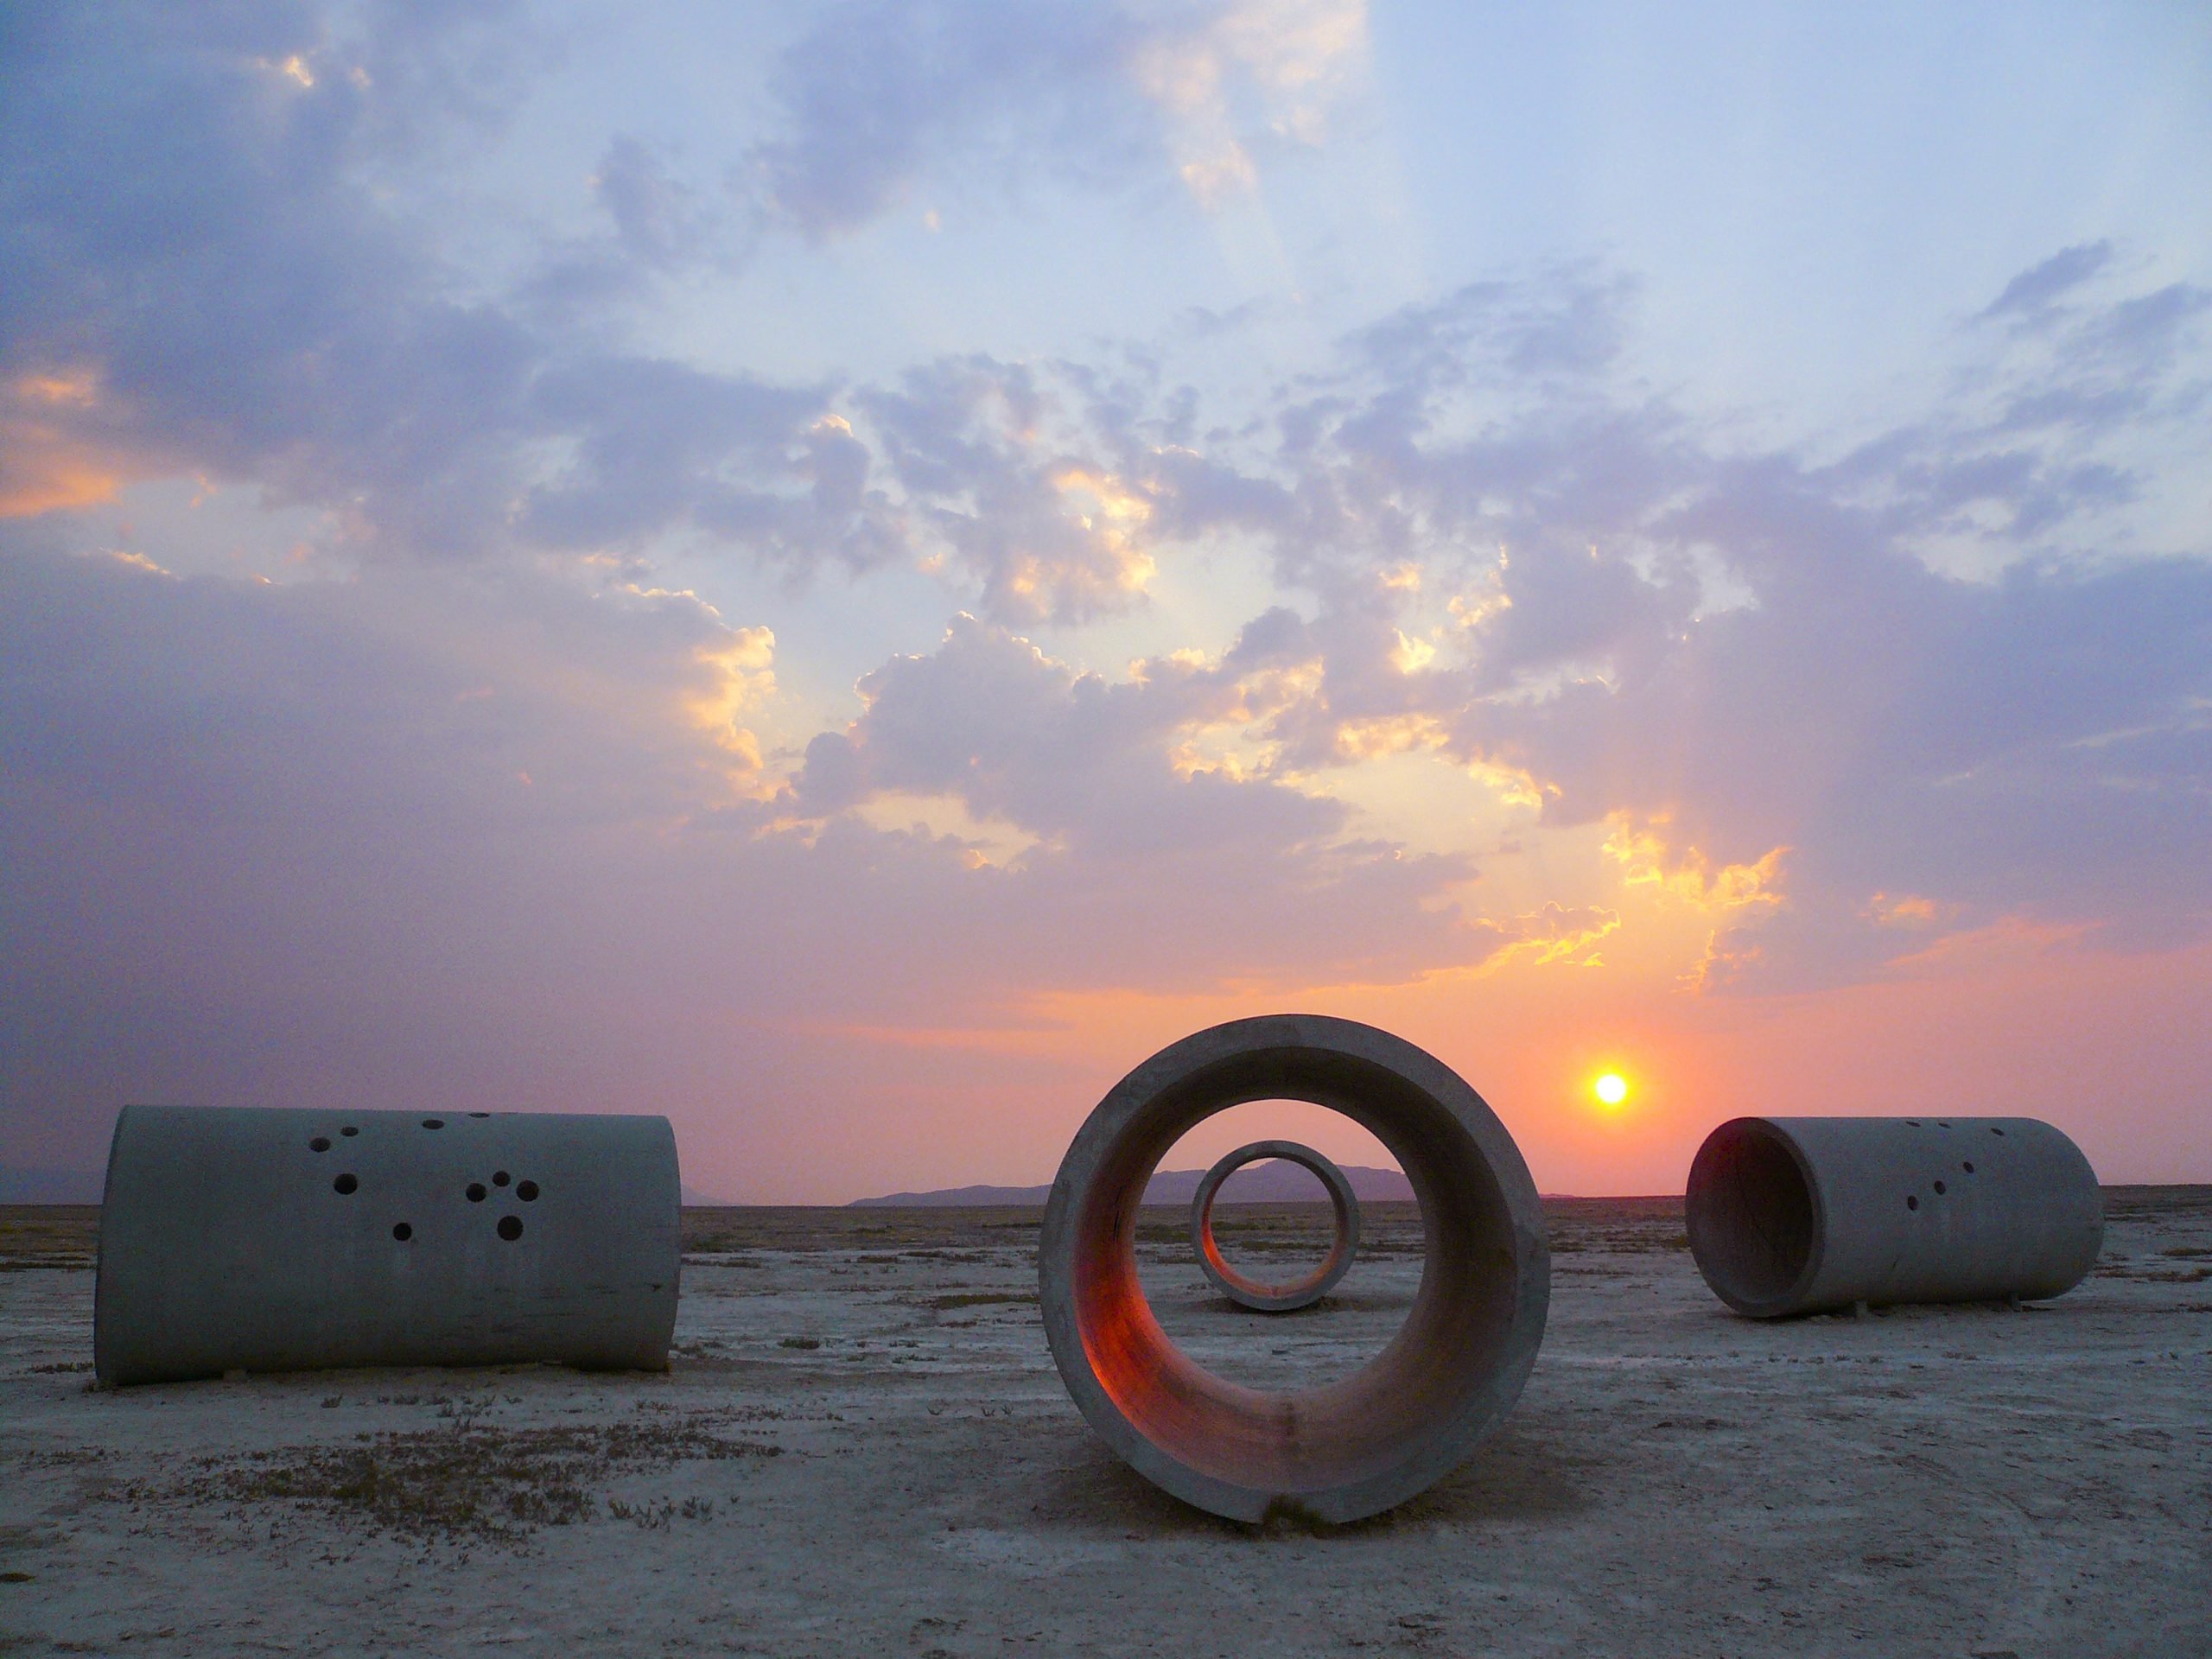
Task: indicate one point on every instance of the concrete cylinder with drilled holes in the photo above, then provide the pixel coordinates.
(1804, 1215)
(1415, 1412)
(1250, 1292)
(241, 1239)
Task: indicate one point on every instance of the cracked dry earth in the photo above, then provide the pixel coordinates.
(863, 1447)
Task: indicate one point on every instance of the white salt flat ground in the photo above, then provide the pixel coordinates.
(863, 1448)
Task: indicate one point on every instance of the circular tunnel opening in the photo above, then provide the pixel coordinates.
(1751, 1217)
(1340, 1449)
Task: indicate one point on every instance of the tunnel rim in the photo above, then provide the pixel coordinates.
(1493, 1301)
(1697, 1224)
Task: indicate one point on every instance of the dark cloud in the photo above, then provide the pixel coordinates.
(199, 256)
(2037, 288)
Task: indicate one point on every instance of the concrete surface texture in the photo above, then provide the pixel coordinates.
(1289, 1296)
(864, 1447)
(1409, 1416)
(1800, 1214)
(238, 1239)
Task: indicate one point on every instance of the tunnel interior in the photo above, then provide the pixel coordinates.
(1751, 1215)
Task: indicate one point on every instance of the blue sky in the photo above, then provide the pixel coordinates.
(840, 571)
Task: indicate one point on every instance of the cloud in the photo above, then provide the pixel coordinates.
(1759, 660)
(877, 96)
(444, 831)
(2035, 288)
(196, 240)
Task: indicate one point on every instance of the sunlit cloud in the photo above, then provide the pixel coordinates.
(1295, 59)
(742, 676)
(1685, 874)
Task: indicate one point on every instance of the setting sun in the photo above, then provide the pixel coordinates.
(1612, 1088)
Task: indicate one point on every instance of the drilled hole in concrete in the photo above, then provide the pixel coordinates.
(476, 1192)
(527, 1191)
(1912, 1122)
(511, 1227)
(1997, 1131)
(499, 1178)
(1967, 1167)
(434, 1123)
(346, 1184)
(1940, 1189)
(479, 1114)
(1912, 1204)
(349, 1129)
(320, 1143)
(402, 1232)
(1941, 1125)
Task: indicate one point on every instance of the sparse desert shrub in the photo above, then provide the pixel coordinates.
(467, 1483)
(980, 1298)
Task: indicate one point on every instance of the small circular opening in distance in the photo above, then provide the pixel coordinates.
(1997, 1131)
(479, 1114)
(349, 1129)
(434, 1123)
(320, 1143)
(346, 1184)
(500, 1178)
(527, 1191)
(1911, 1202)
(1969, 1167)
(1941, 1125)
(1749, 1214)
(1940, 1189)
(476, 1192)
(511, 1227)
(1912, 1122)
(402, 1232)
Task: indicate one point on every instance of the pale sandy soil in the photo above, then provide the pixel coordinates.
(863, 1448)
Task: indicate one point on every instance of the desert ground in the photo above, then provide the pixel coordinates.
(861, 1446)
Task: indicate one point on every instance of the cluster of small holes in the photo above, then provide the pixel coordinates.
(510, 1227)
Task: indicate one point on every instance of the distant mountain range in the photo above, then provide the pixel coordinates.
(1273, 1182)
